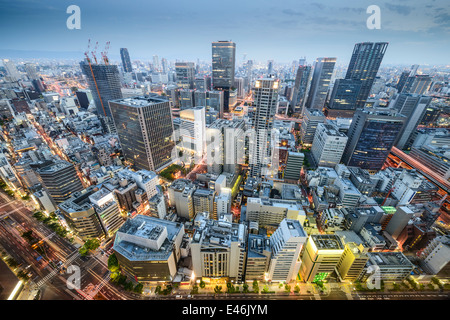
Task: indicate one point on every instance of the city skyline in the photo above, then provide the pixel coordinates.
(219, 151)
(282, 33)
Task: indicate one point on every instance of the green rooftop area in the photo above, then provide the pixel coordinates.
(389, 210)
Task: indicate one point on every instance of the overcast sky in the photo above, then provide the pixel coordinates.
(282, 30)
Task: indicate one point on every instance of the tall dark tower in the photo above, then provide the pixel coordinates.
(126, 61)
(371, 137)
(104, 83)
(302, 80)
(364, 64)
(223, 64)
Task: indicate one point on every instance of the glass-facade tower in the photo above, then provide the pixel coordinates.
(371, 137)
(126, 61)
(364, 64)
(223, 66)
(144, 126)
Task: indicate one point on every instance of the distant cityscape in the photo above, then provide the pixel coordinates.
(224, 179)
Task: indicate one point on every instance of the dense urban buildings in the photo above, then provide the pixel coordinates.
(258, 178)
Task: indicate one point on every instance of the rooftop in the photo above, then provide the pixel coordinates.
(391, 259)
(142, 101)
(327, 241)
(147, 238)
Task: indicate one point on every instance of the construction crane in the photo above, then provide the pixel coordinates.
(93, 76)
(94, 52)
(105, 53)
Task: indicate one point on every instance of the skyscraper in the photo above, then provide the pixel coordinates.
(371, 137)
(418, 84)
(11, 70)
(104, 83)
(193, 134)
(301, 84)
(185, 72)
(413, 107)
(144, 126)
(294, 165)
(323, 70)
(225, 146)
(343, 98)
(265, 101)
(60, 179)
(223, 64)
(364, 64)
(31, 71)
(311, 118)
(269, 67)
(402, 80)
(328, 145)
(399, 221)
(286, 244)
(126, 61)
(156, 65)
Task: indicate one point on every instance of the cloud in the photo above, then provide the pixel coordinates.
(403, 10)
(292, 12)
(318, 5)
(356, 10)
(443, 20)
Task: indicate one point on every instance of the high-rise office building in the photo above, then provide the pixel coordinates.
(402, 80)
(294, 165)
(320, 83)
(200, 84)
(249, 74)
(186, 99)
(148, 248)
(239, 85)
(218, 249)
(145, 128)
(343, 98)
(185, 72)
(364, 64)
(418, 84)
(320, 257)
(413, 107)
(164, 66)
(126, 61)
(92, 213)
(60, 179)
(180, 194)
(311, 118)
(11, 70)
(269, 68)
(328, 145)
(352, 262)
(225, 146)
(399, 221)
(193, 134)
(371, 136)
(31, 71)
(156, 65)
(301, 86)
(265, 94)
(223, 68)
(286, 244)
(104, 83)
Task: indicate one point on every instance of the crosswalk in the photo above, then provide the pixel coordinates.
(54, 272)
(102, 283)
(9, 212)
